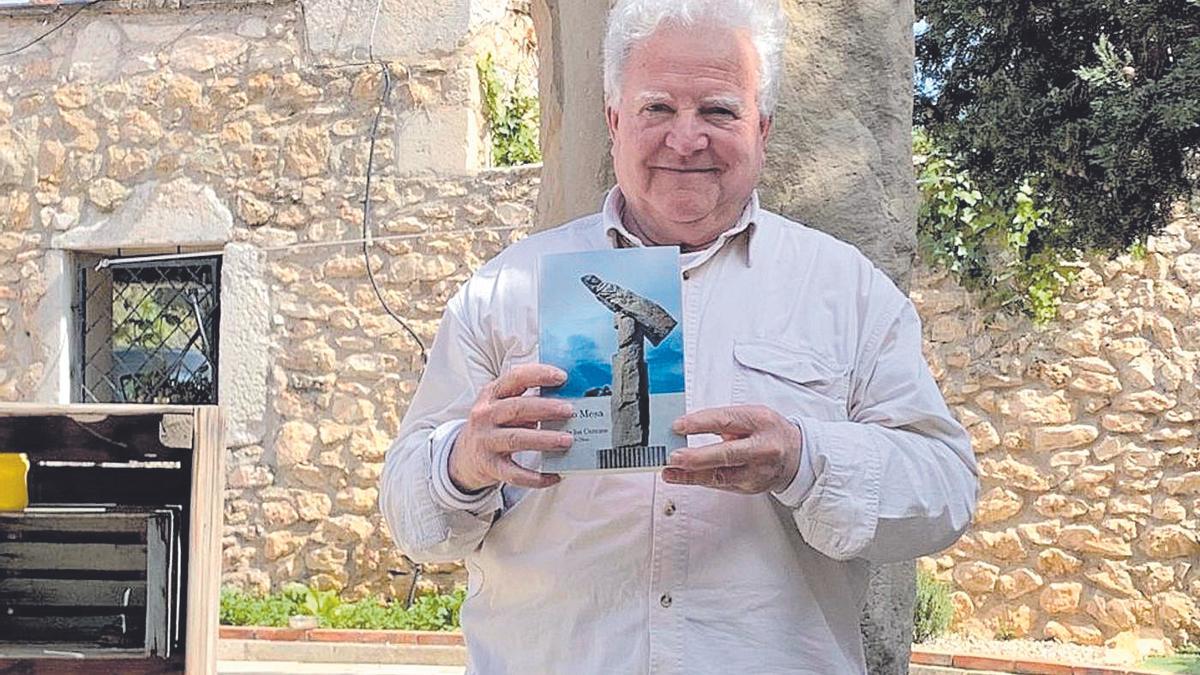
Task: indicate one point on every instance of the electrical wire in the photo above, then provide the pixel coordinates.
(367, 241)
(418, 568)
(298, 246)
(48, 33)
(366, 218)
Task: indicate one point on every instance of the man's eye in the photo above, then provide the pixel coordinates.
(658, 107)
(720, 112)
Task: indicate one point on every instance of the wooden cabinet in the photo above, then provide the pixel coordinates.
(115, 566)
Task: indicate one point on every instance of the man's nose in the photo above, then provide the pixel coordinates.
(687, 135)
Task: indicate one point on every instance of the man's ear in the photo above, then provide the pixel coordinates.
(611, 117)
(764, 132)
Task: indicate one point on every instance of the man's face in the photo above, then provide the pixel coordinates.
(688, 141)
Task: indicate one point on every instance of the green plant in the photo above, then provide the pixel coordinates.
(987, 242)
(1184, 664)
(239, 608)
(371, 614)
(1138, 251)
(512, 116)
(428, 612)
(933, 610)
(1005, 629)
(433, 612)
(322, 604)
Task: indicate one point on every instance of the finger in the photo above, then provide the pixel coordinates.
(732, 479)
(507, 440)
(514, 474)
(526, 376)
(739, 452)
(725, 420)
(523, 410)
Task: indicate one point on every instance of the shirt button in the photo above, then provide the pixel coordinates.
(665, 600)
(669, 509)
(687, 275)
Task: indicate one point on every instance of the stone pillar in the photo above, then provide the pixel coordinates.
(576, 167)
(839, 160)
(630, 389)
(840, 155)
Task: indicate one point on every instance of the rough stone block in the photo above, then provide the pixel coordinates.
(197, 216)
(444, 139)
(334, 28)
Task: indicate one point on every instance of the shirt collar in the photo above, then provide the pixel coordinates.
(618, 235)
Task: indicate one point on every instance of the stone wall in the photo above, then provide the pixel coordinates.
(1086, 437)
(220, 129)
(302, 505)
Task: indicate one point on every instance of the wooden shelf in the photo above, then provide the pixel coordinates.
(97, 470)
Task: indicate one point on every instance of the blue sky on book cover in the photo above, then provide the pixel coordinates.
(576, 330)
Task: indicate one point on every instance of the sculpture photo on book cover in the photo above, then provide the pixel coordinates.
(608, 318)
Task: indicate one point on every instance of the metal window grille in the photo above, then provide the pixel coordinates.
(147, 330)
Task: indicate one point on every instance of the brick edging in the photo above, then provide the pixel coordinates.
(925, 657)
(391, 637)
(1004, 664)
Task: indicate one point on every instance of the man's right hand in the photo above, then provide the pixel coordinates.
(502, 422)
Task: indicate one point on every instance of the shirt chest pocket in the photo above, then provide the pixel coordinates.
(791, 380)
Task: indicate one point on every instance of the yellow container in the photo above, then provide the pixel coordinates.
(14, 470)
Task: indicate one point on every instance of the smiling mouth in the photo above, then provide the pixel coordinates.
(675, 170)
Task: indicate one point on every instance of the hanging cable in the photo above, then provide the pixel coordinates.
(366, 226)
(50, 32)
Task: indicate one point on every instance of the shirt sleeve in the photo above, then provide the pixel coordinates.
(896, 481)
(431, 519)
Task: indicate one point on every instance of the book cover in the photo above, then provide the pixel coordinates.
(612, 319)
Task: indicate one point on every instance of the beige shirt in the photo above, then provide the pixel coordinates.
(629, 574)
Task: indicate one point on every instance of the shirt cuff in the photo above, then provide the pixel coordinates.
(441, 442)
(792, 495)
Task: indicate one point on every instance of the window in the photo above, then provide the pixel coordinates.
(147, 329)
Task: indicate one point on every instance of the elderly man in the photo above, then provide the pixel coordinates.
(819, 443)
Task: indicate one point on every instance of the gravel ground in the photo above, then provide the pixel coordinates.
(1045, 650)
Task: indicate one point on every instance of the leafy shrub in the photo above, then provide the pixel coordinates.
(428, 612)
(933, 610)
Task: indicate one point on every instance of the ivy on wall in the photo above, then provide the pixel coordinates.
(512, 116)
(986, 241)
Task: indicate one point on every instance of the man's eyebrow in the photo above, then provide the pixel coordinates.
(731, 102)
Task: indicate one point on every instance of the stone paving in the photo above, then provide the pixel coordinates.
(297, 668)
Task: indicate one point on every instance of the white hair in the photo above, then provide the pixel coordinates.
(632, 21)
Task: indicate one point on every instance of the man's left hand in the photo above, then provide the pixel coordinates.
(759, 450)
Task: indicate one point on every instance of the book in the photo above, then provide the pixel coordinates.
(612, 319)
